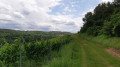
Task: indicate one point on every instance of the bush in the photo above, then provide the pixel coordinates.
(116, 29)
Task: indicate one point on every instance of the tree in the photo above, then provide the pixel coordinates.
(116, 3)
(94, 22)
(116, 29)
(107, 29)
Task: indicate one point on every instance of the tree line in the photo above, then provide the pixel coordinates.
(11, 35)
(104, 20)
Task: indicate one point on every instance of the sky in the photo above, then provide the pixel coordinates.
(45, 15)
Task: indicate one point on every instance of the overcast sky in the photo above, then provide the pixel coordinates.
(45, 15)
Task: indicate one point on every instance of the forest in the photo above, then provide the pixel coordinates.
(104, 20)
(10, 35)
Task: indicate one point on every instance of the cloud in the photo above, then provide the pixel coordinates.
(23, 14)
(106, 1)
(67, 23)
(9, 24)
(34, 15)
(67, 9)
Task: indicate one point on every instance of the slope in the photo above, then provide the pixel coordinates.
(83, 53)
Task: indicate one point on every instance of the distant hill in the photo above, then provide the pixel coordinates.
(11, 35)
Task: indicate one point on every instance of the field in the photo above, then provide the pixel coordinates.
(65, 51)
(83, 53)
(55, 33)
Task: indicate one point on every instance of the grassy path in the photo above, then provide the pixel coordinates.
(83, 53)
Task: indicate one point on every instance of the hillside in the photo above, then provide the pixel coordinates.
(97, 44)
(66, 51)
(104, 20)
(11, 35)
(83, 53)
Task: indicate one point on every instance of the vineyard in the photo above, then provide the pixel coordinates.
(55, 33)
(37, 52)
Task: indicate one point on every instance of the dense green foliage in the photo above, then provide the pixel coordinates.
(11, 35)
(105, 20)
(37, 51)
(9, 53)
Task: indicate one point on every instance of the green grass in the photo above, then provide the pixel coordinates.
(105, 41)
(83, 53)
(80, 53)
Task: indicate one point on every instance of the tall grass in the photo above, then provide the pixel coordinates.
(61, 61)
(82, 53)
(69, 56)
(107, 42)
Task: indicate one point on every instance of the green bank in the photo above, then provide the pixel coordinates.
(83, 53)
